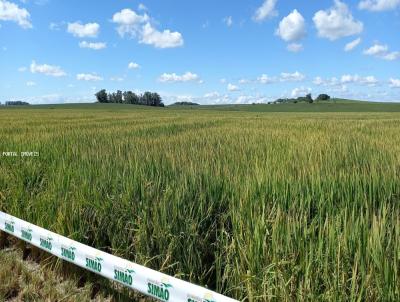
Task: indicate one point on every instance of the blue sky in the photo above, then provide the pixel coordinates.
(211, 52)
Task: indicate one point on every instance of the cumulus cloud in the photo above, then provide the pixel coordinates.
(394, 83)
(133, 65)
(88, 77)
(164, 39)
(382, 52)
(378, 5)
(326, 82)
(345, 80)
(30, 83)
(50, 70)
(174, 78)
(232, 87)
(129, 22)
(353, 44)
(92, 45)
(22, 69)
(266, 10)
(337, 22)
(295, 47)
(368, 80)
(134, 25)
(88, 30)
(292, 27)
(300, 91)
(10, 11)
(295, 77)
(265, 79)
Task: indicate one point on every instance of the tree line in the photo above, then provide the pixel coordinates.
(15, 103)
(129, 97)
(307, 99)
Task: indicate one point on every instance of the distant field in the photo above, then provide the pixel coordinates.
(253, 201)
(335, 105)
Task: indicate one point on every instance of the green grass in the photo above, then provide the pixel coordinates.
(256, 205)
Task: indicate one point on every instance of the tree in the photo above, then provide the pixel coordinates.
(309, 98)
(156, 100)
(323, 97)
(118, 97)
(16, 103)
(130, 97)
(101, 96)
(146, 98)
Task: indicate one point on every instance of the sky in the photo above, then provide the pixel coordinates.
(209, 52)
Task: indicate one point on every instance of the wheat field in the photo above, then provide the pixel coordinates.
(259, 206)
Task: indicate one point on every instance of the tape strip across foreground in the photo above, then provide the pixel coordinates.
(147, 281)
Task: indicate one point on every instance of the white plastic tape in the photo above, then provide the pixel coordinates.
(147, 281)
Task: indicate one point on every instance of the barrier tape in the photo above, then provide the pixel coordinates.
(147, 281)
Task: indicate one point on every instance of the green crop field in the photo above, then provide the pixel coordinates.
(252, 202)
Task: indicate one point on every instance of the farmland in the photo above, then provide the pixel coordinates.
(259, 202)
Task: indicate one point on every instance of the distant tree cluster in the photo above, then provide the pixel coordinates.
(185, 104)
(129, 97)
(323, 97)
(16, 103)
(303, 99)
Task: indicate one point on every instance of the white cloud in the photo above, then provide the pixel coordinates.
(232, 87)
(300, 91)
(392, 56)
(213, 94)
(265, 79)
(134, 25)
(318, 81)
(92, 45)
(353, 44)
(228, 21)
(12, 12)
(292, 27)
(369, 80)
(356, 79)
(164, 39)
(54, 26)
(142, 7)
(266, 10)
(89, 30)
(337, 22)
(244, 81)
(174, 78)
(376, 50)
(295, 77)
(394, 83)
(22, 69)
(129, 22)
(378, 5)
(50, 70)
(88, 77)
(382, 52)
(133, 65)
(30, 83)
(222, 81)
(295, 47)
